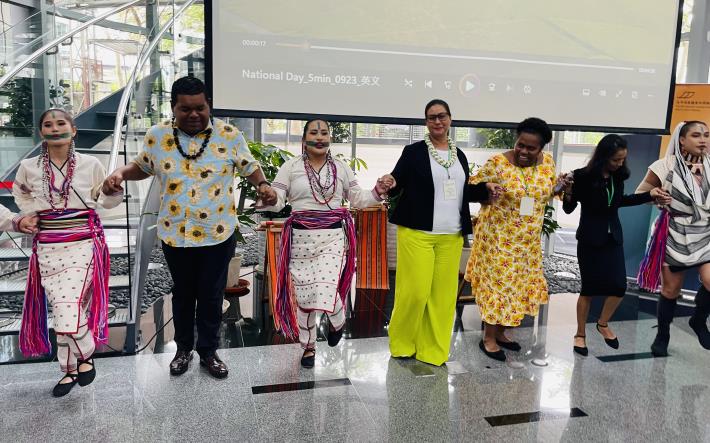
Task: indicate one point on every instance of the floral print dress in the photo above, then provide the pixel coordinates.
(505, 266)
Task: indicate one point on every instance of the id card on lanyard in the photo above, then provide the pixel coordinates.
(527, 203)
(450, 189)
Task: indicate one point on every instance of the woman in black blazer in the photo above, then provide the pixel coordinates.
(599, 188)
(431, 180)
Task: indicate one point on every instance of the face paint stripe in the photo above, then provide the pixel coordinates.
(62, 136)
(314, 144)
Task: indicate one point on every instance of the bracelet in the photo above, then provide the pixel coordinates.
(261, 183)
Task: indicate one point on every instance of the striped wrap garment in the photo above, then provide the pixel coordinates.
(688, 242)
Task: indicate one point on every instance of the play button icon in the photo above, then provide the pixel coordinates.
(469, 85)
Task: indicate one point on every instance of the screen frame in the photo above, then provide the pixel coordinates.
(246, 113)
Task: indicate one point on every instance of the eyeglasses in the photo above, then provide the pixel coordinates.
(441, 117)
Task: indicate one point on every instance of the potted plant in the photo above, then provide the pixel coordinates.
(271, 158)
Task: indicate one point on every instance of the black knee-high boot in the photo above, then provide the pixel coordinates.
(699, 319)
(665, 313)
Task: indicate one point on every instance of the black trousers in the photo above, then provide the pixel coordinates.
(199, 278)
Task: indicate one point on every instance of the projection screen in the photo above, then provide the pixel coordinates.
(590, 64)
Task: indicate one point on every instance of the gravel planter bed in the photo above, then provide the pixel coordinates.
(565, 265)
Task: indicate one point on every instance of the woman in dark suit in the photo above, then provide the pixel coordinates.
(599, 188)
(431, 180)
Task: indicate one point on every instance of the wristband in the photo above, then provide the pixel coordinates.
(261, 183)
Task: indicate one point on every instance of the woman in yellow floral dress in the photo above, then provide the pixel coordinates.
(505, 267)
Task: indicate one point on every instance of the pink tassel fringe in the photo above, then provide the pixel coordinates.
(649, 275)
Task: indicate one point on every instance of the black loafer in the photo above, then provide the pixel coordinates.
(611, 342)
(216, 367)
(86, 377)
(509, 345)
(180, 362)
(498, 355)
(62, 389)
(310, 361)
(581, 350)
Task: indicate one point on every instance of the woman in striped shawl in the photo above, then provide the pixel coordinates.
(684, 172)
(317, 254)
(69, 267)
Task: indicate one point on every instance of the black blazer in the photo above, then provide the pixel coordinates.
(415, 187)
(598, 218)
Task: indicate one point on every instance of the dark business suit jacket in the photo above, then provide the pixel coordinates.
(415, 187)
(598, 218)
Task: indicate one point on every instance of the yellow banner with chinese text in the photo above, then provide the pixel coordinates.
(691, 102)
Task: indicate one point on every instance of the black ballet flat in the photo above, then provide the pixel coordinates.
(611, 342)
(62, 389)
(497, 355)
(86, 377)
(509, 345)
(333, 335)
(310, 361)
(581, 350)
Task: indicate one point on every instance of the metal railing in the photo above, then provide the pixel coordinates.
(128, 90)
(39, 52)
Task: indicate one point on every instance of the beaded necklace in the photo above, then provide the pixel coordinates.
(435, 154)
(195, 156)
(48, 186)
(325, 189)
(694, 162)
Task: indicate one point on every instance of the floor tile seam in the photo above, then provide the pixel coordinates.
(362, 402)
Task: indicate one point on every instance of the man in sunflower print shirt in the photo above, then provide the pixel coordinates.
(195, 158)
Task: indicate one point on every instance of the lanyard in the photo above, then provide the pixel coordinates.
(610, 195)
(524, 182)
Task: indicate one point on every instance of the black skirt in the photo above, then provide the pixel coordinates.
(603, 269)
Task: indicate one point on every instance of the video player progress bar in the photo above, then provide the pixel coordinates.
(472, 57)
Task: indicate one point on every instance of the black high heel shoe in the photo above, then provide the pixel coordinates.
(497, 355)
(310, 361)
(62, 389)
(611, 342)
(86, 377)
(581, 350)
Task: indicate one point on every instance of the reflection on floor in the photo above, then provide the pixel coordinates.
(357, 392)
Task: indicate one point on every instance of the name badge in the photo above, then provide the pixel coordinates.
(450, 189)
(527, 204)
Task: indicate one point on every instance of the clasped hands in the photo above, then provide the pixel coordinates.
(266, 194)
(384, 184)
(29, 224)
(661, 197)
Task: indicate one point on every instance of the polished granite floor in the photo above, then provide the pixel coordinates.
(358, 393)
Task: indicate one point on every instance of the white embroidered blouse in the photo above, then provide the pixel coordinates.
(89, 175)
(292, 184)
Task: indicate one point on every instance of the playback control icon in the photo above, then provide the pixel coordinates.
(469, 85)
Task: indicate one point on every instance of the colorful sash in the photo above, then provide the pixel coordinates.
(63, 227)
(649, 275)
(285, 306)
